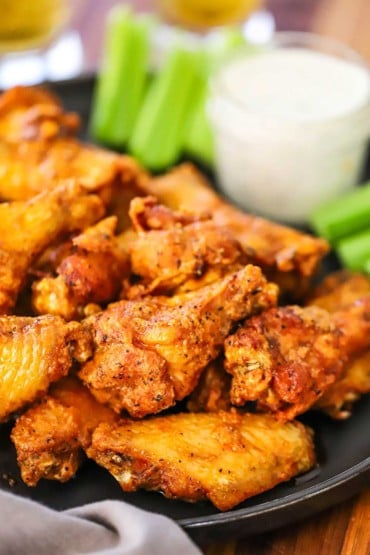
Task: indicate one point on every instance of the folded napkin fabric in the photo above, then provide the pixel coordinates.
(103, 528)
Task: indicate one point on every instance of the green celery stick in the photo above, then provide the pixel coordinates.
(123, 77)
(354, 251)
(159, 131)
(199, 137)
(343, 216)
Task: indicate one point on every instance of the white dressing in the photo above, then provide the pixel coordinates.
(291, 127)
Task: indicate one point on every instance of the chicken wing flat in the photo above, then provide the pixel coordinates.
(287, 256)
(174, 253)
(212, 392)
(34, 352)
(27, 228)
(287, 357)
(337, 292)
(223, 457)
(150, 353)
(83, 276)
(50, 437)
(29, 113)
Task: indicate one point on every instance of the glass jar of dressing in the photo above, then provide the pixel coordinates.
(291, 125)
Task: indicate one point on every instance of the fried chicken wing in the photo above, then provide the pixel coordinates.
(46, 441)
(337, 292)
(223, 457)
(287, 256)
(91, 273)
(212, 392)
(287, 357)
(34, 225)
(50, 437)
(34, 352)
(173, 252)
(151, 352)
(29, 113)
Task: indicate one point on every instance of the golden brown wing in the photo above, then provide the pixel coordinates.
(34, 352)
(29, 113)
(339, 291)
(287, 256)
(46, 441)
(92, 272)
(151, 352)
(223, 457)
(284, 359)
(50, 436)
(338, 399)
(287, 357)
(175, 252)
(27, 228)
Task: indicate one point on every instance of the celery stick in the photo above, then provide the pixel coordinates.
(354, 251)
(199, 138)
(159, 131)
(343, 216)
(123, 76)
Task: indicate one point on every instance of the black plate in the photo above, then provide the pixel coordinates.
(343, 454)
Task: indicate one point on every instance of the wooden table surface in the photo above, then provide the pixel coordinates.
(344, 529)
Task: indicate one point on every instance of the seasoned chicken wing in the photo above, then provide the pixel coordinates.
(287, 256)
(212, 392)
(29, 113)
(337, 292)
(223, 457)
(151, 352)
(46, 441)
(34, 352)
(174, 253)
(91, 273)
(34, 225)
(50, 436)
(287, 357)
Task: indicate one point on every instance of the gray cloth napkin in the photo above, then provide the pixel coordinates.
(104, 528)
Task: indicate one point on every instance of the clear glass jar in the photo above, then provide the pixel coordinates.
(282, 152)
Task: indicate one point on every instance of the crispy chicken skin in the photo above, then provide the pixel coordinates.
(46, 441)
(338, 399)
(287, 357)
(34, 352)
(91, 273)
(287, 256)
(150, 353)
(212, 393)
(50, 437)
(223, 457)
(336, 292)
(174, 253)
(29, 113)
(34, 225)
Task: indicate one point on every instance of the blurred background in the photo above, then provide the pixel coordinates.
(67, 39)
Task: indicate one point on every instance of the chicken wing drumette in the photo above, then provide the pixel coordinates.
(150, 353)
(287, 357)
